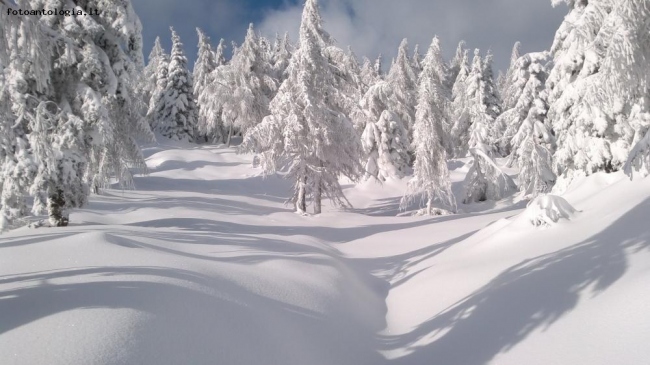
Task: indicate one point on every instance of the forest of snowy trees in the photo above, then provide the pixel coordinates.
(77, 101)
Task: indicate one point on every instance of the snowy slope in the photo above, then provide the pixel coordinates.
(203, 264)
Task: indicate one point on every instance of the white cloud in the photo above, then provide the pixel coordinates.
(377, 26)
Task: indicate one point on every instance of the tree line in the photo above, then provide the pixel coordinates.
(76, 99)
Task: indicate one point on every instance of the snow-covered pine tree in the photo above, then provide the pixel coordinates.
(282, 51)
(505, 86)
(441, 72)
(369, 75)
(379, 62)
(243, 89)
(460, 109)
(417, 61)
(483, 107)
(591, 135)
(21, 46)
(430, 180)
(210, 123)
(308, 133)
(157, 59)
(159, 89)
(83, 120)
(204, 65)
(478, 128)
(384, 138)
(403, 80)
(627, 80)
(455, 65)
(348, 82)
(533, 154)
(492, 101)
(527, 90)
(485, 180)
(533, 144)
(176, 114)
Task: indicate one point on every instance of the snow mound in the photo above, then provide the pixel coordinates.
(547, 210)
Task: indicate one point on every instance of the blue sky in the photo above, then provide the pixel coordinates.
(369, 26)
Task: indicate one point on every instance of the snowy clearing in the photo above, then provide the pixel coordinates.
(203, 264)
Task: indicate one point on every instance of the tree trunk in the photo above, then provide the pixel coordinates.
(317, 198)
(56, 209)
(429, 206)
(301, 204)
(229, 135)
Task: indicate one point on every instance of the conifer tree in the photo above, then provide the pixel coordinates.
(176, 113)
(455, 65)
(591, 135)
(460, 109)
(369, 75)
(403, 80)
(384, 138)
(527, 89)
(485, 180)
(627, 81)
(157, 59)
(482, 106)
(243, 88)
(210, 123)
(307, 133)
(430, 177)
(379, 62)
(282, 51)
(75, 98)
(204, 66)
(505, 86)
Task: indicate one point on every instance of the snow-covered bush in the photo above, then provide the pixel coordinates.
(547, 210)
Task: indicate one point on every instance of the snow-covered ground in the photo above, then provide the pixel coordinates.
(203, 264)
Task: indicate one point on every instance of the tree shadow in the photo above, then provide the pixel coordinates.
(31, 239)
(397, 269)
(221, 321)
(530, 295)
(332, 235)
(204, 204)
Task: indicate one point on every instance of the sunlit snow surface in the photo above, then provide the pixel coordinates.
(204, 264)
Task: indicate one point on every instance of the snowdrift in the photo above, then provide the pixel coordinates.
(547, 210)
(204, 264)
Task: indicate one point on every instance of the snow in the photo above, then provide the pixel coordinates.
(204, 264)
(547, 210)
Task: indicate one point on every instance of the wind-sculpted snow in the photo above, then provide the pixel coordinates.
(204, 264)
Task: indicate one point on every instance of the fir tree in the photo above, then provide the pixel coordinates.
(75, 99)
(308, 133)
(176, 112)
(384, 138)
(459, 109)
(210, 122)
(505, 85)
(204, 66)
(591, 135)
(430, 177)
(455, 65)
(157, 59)
(403, 80)
(485, 180)
(282, 51)
(527, 89)
(244, 87)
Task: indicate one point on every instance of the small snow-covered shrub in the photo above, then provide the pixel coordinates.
(547, 210)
